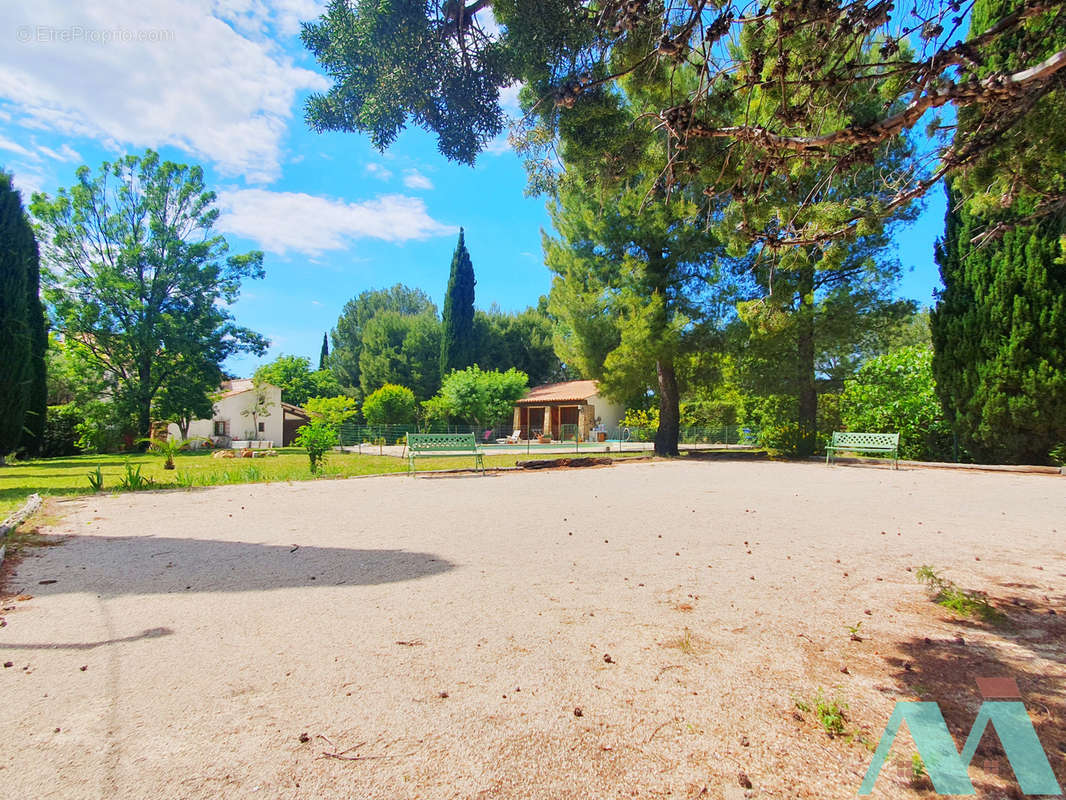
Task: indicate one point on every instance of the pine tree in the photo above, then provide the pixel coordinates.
(457, 339)
(323, 355)
(37, 400)
(16, 239)
(999, 326)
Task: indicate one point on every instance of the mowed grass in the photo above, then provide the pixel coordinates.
(69, 476)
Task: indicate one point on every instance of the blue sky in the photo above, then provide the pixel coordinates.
(222, 83)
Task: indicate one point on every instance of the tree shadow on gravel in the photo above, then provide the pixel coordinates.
(945, 670)
(114, 566)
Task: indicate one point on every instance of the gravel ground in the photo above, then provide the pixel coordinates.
(641, 630)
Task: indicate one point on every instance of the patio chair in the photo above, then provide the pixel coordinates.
(512, 439)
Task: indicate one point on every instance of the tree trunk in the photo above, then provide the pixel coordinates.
(669, 410)
(144, 421)
(183, 427)
(807, 393)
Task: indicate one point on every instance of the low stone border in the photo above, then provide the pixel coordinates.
(17, 518)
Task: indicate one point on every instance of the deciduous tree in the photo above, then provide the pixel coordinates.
(137, 274)
(189, 395)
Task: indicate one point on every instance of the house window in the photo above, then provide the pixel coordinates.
(262, 427)
(220, 427)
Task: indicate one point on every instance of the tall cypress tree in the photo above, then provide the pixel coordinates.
(37, 400)
(16, 240)
(999, 326)
(999, 337)
(457, 336)
(323, 355)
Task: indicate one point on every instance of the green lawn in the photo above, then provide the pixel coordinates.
(68, 476)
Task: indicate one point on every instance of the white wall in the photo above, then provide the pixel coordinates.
(240, 426)
(610, 414)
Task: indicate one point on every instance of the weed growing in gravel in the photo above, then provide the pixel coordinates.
(684, 643)
(830, 712)
(962, 602)
(917, 770)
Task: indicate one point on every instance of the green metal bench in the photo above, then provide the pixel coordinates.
(855, 442)
(437, 445)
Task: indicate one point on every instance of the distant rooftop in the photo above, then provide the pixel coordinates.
(235, 386)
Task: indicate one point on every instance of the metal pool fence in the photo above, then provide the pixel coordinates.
(619, 438)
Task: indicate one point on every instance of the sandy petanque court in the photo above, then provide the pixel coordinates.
(642, 630)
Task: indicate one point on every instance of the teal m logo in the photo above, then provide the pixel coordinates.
(947, 767)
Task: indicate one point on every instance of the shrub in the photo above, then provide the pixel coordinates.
(893, 393)
(702, 413)
(101, 427)
(61, 431)
(642, 424)
(389, 405)
(480, 396)
(317, 438)
(775, 418)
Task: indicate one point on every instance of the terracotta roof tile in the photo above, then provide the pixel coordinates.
(560, 392)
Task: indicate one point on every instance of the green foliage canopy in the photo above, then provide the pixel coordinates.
(347, 337)
(816, 85)
(401, 349)
(293, 375)
(334, 411)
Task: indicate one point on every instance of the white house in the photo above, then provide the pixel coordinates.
(232, 419)
(560, 409)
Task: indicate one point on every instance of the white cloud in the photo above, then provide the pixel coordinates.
(65, 152)
(15, 147)
(498, 146)
(27, 179)
(257, 17)
(292, 221)
(377, 170)
(509, 99)
(200, 75)
(413, 179)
